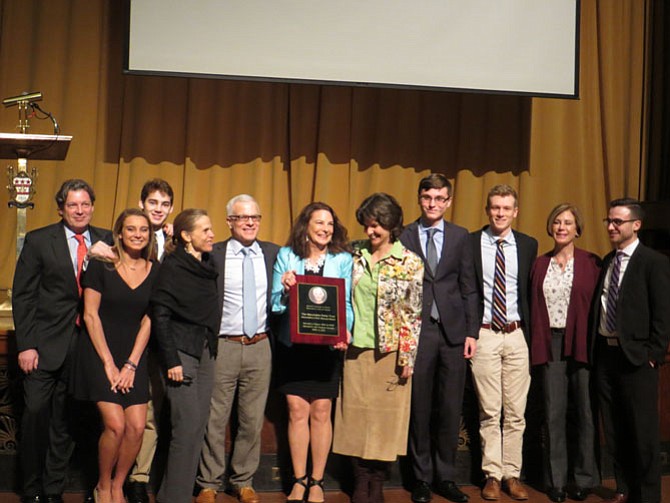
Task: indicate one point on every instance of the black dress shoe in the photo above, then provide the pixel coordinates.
(136, 492)
(580, 494)
(53, 498)
(421, 492)
(448, 489)
(556, 494)
(31, 499)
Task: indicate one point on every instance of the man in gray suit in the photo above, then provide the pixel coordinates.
(244, 363)
(448, 339)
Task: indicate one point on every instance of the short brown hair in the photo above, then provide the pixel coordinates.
(579, 220)
(435, 181)
(635, 207)
(385, 210)
(502, 190)
(156, 184)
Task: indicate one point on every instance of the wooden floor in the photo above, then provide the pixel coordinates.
(391, 496)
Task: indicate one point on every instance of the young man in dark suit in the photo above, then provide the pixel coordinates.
(449, 332)
(244, 364)
(631, 332)
(45, 304)
(501, 366)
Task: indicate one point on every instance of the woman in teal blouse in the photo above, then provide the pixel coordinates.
(309, 375)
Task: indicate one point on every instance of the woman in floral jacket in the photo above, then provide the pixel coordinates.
(372, 414)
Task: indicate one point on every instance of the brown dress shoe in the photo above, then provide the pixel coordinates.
(516, 489)
(617, 498)
(247, 494)
(206, 496)
(491, 489)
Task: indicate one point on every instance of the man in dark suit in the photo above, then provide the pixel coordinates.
(501, 366)
(449, 332)
(45, 306)
(631, 324)
(244, 364)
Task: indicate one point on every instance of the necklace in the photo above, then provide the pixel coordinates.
(315, 266)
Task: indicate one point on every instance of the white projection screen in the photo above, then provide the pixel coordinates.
(501, 46)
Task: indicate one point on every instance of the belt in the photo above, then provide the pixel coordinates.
(506, 328)
(246, 341)
(612, 341)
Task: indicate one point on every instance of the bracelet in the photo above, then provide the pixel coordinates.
(132, 365)
(132, 369)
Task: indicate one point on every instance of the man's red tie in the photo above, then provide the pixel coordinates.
(81, 255)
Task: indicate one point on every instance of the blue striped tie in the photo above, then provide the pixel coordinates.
(499, 318)
(613, 293)
(249, 307)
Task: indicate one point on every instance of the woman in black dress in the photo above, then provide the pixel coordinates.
(186, 316)
(309, 375)
(111, 362)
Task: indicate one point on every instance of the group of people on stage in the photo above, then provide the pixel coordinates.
(152, 310)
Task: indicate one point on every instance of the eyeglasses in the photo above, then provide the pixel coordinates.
(437, 199)
(617, 222)
(245, 218)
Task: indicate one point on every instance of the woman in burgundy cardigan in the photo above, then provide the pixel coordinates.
(562, 287)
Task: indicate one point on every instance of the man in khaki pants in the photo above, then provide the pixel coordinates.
(501, 365)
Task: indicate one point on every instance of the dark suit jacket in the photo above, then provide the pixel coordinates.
(453, 285)
(526, 253)
(643, 306)
(45, 298)
(269, 254)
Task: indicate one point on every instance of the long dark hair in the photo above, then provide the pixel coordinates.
(298, 238)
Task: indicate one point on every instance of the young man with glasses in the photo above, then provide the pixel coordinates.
(631, 323)
(448, 339)
(244, 364)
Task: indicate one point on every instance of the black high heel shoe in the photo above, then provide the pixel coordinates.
(315, 482)
(301, 481)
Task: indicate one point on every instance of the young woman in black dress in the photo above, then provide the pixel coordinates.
(111, 368)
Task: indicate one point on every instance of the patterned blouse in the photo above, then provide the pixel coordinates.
(557, 287)
(399, 300)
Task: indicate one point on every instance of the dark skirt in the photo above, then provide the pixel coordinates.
(309, 371)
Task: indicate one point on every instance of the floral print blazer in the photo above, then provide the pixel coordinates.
(399, 301)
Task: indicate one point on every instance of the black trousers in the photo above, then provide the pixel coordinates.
(438, 382)
(628, 398)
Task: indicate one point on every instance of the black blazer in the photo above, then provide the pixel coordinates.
(643, 306)
(453, 286)
(526, 254)
(45, 298)
(269, 250)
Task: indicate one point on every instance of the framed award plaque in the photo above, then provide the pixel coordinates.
(317, 310)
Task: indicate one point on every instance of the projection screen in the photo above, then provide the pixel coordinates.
(503, 46)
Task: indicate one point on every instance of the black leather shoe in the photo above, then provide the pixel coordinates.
(421, 492)
(579, 494)
(31, 499)
(556, 494)
(136, 492)
(448, 489)
(53, 498)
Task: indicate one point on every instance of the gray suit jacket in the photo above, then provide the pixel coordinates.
(453, 285)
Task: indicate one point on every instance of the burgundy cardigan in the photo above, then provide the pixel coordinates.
(586, 272)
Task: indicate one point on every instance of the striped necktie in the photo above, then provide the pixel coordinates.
(499, 318)
(431, 258)
(613, 293)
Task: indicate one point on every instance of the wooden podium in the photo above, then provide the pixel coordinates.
(21, 146)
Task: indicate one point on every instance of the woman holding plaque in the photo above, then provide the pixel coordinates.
(562, 285)
(308, 374)
(372, 413)
(186, 317)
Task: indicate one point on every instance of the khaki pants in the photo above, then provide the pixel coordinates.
(501, 374)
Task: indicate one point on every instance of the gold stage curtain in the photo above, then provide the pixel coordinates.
(289, 144)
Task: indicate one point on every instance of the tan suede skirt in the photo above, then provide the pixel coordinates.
(372, 411)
